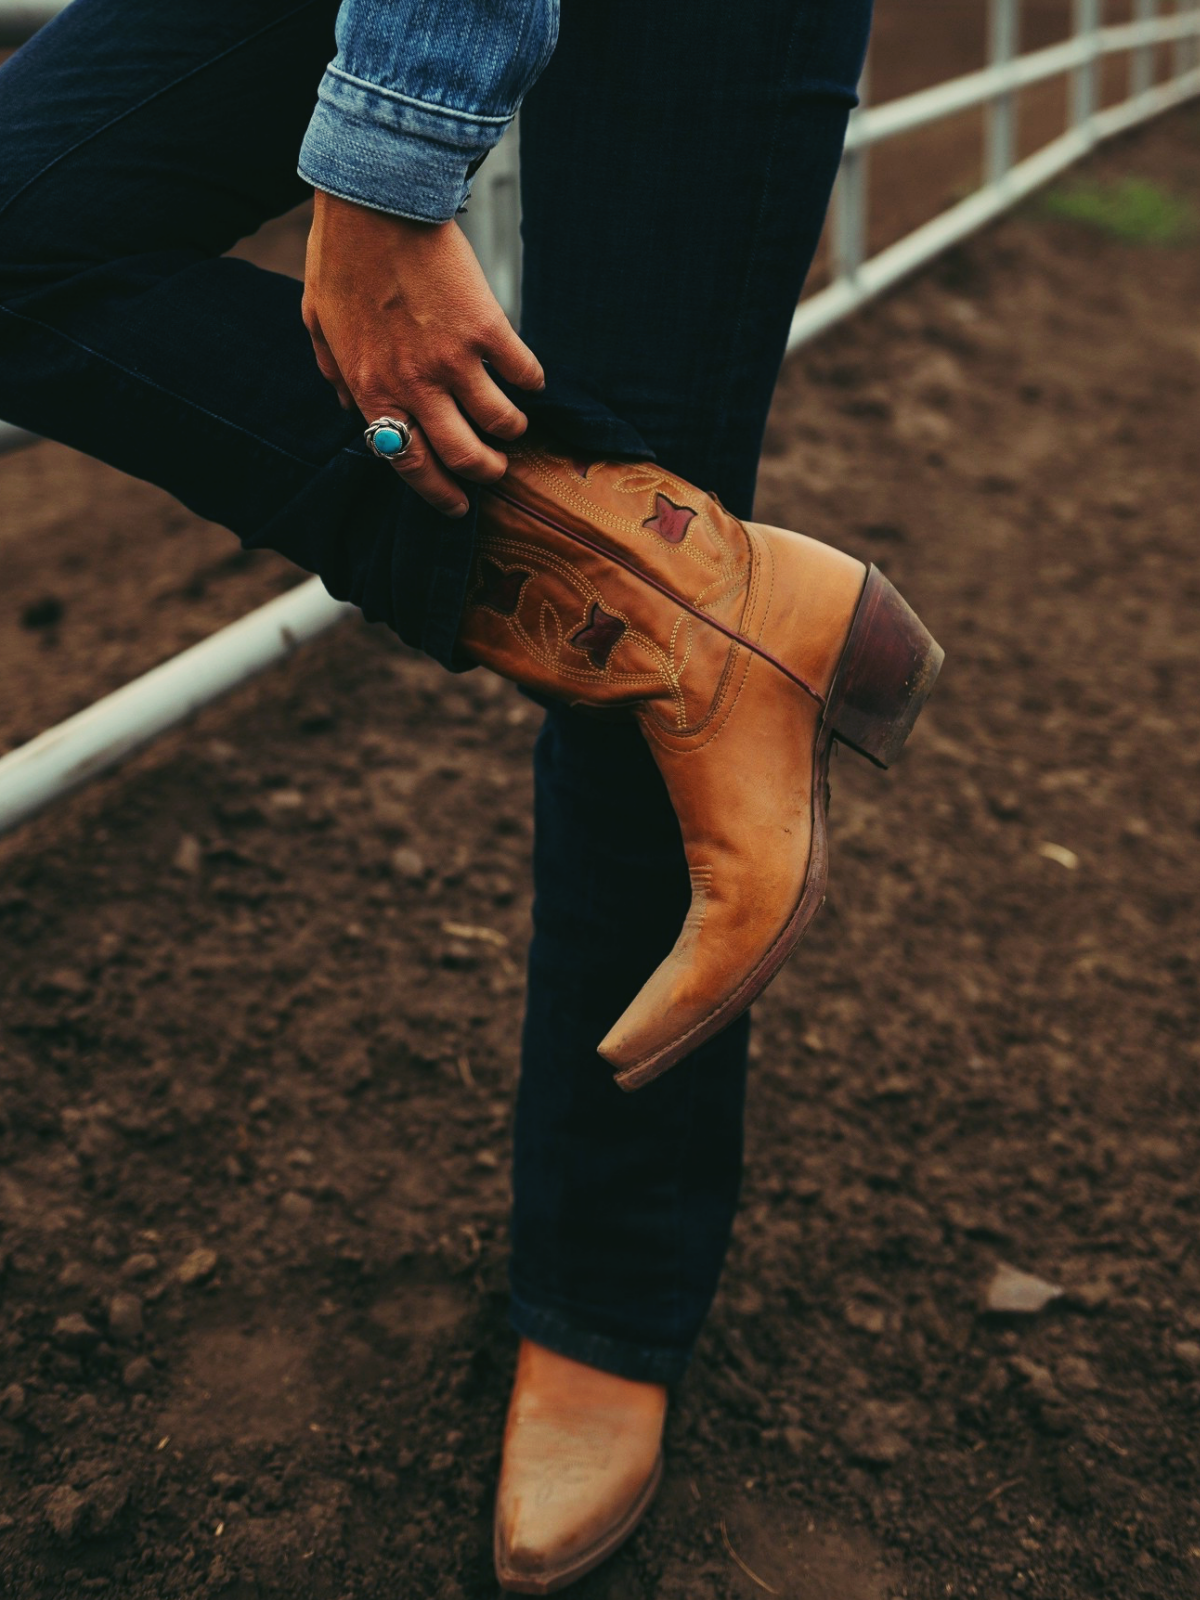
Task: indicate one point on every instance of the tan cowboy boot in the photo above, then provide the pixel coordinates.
(582, 1461)
(743, 651)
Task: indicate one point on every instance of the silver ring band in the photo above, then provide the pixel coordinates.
(388, 438)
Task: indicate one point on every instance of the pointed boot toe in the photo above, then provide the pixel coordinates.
(582, 1462)
(744, 651)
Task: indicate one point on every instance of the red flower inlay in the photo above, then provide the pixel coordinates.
(498, 590)
(670, 521)
(598, 636)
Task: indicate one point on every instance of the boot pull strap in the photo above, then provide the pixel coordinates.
(653, 583)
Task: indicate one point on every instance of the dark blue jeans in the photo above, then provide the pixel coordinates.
(676, 164)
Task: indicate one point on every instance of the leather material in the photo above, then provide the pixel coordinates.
(620, 586)
(582, 1458)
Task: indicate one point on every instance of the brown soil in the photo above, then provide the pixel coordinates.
(256, 1089)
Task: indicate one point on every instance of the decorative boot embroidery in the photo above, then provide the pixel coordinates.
(599, 635)
(669, 521)
(498, 590)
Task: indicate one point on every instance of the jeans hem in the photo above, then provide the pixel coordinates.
(624, 1358)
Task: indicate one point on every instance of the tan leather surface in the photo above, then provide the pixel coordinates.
(733, 734)
(580, 1447)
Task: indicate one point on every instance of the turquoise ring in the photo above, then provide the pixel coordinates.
(388, 438)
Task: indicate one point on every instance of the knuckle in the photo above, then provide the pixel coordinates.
(414, 460)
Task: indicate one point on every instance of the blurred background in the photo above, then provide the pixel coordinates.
(260, 986)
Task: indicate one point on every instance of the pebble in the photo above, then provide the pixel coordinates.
(12, 1401)
(1012, 1292)
(142, 1265)
(873, 1432)
(137, 1374)
(125, 1318)
(295, 1207)
(1187, 1353)
(64, 1510)
(197, 1267)
(188, 856)
(75, 1332)
(868, 1319)
(408, 863)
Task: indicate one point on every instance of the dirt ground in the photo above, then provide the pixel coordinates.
(255, 1081)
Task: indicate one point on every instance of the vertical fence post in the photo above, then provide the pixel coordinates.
(1084, 77)
(1141, 61)
(1002, 109)
(849, 237)
(1186, 53)
(492, 221)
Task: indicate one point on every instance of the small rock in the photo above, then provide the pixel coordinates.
(125, 1318)
(796, 1440)
(873, 1432)
(869, 1319)
(75, 1332)
(1077, 1374)
(73, 1275)
(66, 981)
(295, 1207)
(197, 1267)
(106, 1497)
(1012, 1292)
(188, 856)
(1187, 1353)
(64, 1510)
(1091, 1296)
(12, 1401)
(408, 863)
(137, 1374)
(142, 1265)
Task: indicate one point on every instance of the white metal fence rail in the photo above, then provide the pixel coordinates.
(98, 738)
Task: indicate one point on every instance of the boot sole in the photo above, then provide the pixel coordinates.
(888, 666)
(513, 1582)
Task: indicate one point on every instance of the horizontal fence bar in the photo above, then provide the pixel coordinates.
(21, 19)
(97, 739)
(814, 316)
(877, 123)
(69, 755)
(14, 438)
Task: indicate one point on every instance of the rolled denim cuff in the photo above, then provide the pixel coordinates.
(392, 153)
(556, 1330)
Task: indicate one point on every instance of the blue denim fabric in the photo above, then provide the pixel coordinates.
(418, 93)
(675, 171)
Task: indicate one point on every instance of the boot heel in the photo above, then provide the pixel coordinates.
(887, 669)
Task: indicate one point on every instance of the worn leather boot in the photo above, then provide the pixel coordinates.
(744, 652)
(582, 1461)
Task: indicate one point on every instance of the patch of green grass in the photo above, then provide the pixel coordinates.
(1132, 209)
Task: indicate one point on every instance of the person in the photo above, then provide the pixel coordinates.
(676, 165)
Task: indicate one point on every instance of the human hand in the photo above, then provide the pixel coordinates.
(402, 320)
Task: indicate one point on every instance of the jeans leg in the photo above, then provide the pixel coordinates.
(140, 141)
(676, 168)
(623, 1203)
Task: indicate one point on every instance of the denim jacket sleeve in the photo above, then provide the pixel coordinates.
(417, 94)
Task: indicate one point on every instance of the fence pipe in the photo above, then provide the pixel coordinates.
(850, 196)
(14, 438)
(97, 739)
(1084, 98)
(21, 19)
(1141, 60)
(69, 755)
(1002, 109)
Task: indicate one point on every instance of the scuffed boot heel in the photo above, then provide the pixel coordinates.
(888, 667)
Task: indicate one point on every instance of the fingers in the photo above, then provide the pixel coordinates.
(489, 407)
(512, 357)
(420, 468)
(327, 365)
(457, 444)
